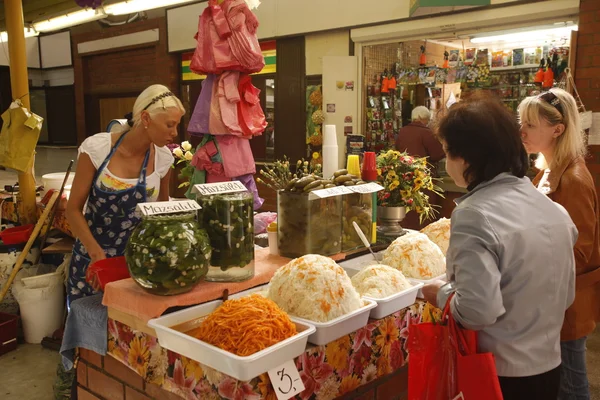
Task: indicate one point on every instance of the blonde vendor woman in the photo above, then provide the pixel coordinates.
(550, 126)
(115, 172)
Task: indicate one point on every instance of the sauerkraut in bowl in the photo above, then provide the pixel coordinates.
(416, 256)
(315, 288)
(379, 281)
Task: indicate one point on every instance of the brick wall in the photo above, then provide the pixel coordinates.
(105, 378)
(587, 70)
(120, 71)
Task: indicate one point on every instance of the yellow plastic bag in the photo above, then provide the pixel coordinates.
(19, 136)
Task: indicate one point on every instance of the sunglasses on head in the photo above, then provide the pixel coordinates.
(554, 101)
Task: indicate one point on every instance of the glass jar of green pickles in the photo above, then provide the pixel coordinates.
(356, 207)
(308, 225)
(229, 221)
(168, 254)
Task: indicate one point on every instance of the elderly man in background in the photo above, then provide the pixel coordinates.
(418, 140)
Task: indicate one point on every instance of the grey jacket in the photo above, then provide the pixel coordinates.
(511, 263)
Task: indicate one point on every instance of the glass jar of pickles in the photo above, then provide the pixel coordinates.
(229, 221)
(168, 254)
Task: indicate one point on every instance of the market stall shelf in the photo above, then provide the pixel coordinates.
(344, 366)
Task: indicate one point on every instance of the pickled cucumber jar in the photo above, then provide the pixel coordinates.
(168, 254)
(229, 221)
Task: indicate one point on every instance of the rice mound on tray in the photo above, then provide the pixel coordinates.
(416, 256)
(379, 281)
(315, 288)
(439, 233)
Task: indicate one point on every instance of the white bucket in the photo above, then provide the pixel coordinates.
(41, 304)
(55, 180)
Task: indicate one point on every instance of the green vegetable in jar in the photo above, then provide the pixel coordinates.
(168, 254)
(229, 221)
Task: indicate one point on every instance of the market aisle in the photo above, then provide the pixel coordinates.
(28, 373)
(47, 160)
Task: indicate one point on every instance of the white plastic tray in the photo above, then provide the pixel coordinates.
(391, 304)
(241, 368)
(428, 281)
(327, 332)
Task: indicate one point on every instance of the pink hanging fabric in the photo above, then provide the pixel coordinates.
(226, 39)
(237, 156)
(202, 161)
(215, 120)
(229, 99)
(250, 113)
(243, 41)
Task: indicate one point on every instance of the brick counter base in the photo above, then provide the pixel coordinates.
(105, 378)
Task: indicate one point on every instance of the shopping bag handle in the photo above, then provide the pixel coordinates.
(460, 342)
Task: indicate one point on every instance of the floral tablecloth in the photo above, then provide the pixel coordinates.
(327, 371)
(10, 213)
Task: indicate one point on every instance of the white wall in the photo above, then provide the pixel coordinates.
(340, 69)
(319, 45)
(32, 49)
(293, 17)
(56, 50)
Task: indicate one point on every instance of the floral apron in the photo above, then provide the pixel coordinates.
(111, 217)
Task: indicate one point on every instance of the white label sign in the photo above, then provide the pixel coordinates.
(167, 207)
(366, 188)
(335, 191)
(219, 188)
(286, 381)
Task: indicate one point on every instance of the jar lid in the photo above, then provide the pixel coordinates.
(272, 227)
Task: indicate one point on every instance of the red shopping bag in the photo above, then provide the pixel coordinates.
(444, 364)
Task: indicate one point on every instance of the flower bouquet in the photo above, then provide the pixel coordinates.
(404, 178)
(183, 155)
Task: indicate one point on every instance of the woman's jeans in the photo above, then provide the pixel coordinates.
(573, 374)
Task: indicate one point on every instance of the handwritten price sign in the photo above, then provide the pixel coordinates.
(286, 381)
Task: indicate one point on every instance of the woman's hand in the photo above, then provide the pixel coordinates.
(96, 255)
(430, 292)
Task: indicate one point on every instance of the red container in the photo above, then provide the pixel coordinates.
(8, 332)
(369, 170)
(16, 235)
(102, 272)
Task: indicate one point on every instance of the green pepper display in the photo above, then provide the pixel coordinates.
(168, 254)
(229, 221)
(308, 226)
(356, 207)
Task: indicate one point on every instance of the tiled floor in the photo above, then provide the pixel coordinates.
(28, 373)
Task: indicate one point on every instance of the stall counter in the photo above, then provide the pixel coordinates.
(367, 364)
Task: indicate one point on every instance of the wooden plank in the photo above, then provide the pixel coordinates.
(63, 246)
(130, 321)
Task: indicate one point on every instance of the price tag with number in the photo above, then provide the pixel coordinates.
(286, 381)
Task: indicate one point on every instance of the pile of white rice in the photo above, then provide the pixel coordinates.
(416, 256)
(379, 281)
(314, 287)
(439, 233)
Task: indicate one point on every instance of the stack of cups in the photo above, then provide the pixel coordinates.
(330, 151)
(353, 165)
(369, 169)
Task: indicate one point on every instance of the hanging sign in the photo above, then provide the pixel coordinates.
(167, 207)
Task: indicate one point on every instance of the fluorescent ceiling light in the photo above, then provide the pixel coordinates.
(68, 20)
(543, 34)
(29, 32)
(133, 6)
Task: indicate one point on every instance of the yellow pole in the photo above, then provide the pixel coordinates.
(19, 82)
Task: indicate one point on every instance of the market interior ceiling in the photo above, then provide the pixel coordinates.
(37, 9)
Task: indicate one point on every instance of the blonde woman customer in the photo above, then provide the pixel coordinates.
(550, 126)
(115, 172)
